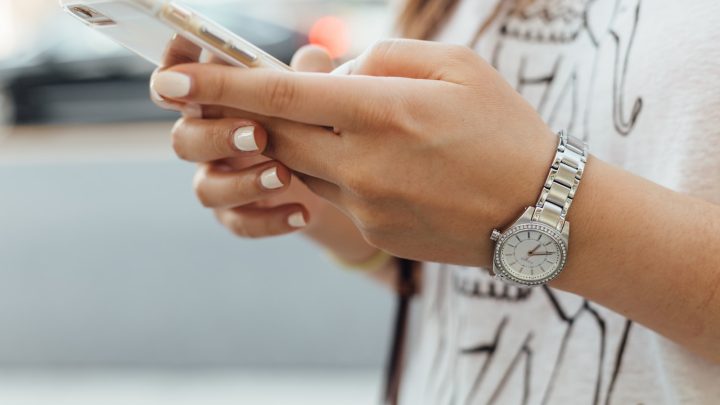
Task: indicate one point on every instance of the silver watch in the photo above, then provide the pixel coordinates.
(534, 249)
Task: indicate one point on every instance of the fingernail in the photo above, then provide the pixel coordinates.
(297, 220)
(244, 139)
(171, 84)
(161, 102)
(192, 110)
(270, 180)
(155, 96)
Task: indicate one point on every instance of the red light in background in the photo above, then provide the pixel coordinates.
(332, 34)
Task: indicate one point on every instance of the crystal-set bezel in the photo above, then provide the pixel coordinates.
(533, 226)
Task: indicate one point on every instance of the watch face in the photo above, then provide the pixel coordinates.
(531, 253)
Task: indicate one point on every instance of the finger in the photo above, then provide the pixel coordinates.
(180, 50)
(162, 102)
(312, 58)
(254, 222)
(188, 110)
(297, 145)
(307, 149)
(324, 189)
(204, 140)
(311, 98)
(220, 188)
(416, 59)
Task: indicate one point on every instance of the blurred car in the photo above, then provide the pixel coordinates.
(76, 75)
(71, 74)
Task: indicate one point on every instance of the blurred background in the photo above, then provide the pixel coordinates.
(115, 286)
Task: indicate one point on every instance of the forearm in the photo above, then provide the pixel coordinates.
(648, 253)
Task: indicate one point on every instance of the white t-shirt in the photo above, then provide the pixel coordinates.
(640, 80)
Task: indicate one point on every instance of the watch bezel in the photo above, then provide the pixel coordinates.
(503, 272)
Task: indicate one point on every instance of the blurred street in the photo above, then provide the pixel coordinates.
(116, 286)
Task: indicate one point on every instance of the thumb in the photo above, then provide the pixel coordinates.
(417, 60)
(311, 58)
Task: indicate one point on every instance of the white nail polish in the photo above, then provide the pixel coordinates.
(160, 102)
(155, 96)
(270, 180)
(244, 139)
(172, 84)
(297, 220)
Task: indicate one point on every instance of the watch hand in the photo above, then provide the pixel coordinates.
(542, 254)
(530, 253)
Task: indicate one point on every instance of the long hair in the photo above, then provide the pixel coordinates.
(422, 19)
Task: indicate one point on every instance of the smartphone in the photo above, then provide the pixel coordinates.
(146, 27)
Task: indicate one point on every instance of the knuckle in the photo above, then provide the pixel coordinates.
(217, 137)
(201, 191)
(281, 93)
(376, 116)
(203, 197)
(459, 54)
(177, 137)
(240, 186)
(216, 86)
(255, 231)
(400, 118)
(239, 227)
(382, 49)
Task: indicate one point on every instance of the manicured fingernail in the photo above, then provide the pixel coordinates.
(192, 110)
(270, 180)
(244, 139)
(297, 220)
(161, 102)
(171, 84)
(155, 96)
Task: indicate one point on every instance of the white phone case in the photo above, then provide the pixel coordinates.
(146, 27)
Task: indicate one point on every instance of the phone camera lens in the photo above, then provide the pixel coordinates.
(83, 12)
(91, 16)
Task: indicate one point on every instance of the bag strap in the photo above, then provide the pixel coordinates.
(405, 290)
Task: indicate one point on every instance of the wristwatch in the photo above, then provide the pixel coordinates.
(533, 250)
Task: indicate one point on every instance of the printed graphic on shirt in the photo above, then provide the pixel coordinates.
(548, 50)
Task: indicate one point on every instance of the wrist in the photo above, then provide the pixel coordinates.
(586, 242)
(533, 250)
(519, 188)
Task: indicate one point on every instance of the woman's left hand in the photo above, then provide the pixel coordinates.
(432, 149)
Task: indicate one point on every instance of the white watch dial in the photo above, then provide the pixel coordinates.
(529, 254)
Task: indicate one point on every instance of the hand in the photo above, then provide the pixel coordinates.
(432, 149)
(250, 194)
